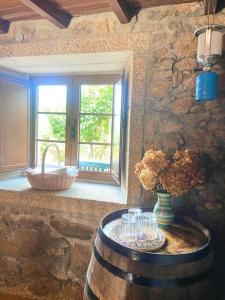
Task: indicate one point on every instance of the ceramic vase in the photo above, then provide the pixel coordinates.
(164, 210)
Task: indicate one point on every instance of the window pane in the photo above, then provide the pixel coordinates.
(116, 128)
(52, 155)
(94, 158)
(52, 98)
(95, 129)
(52, 127)
(96, 98)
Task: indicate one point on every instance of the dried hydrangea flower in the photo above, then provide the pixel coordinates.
(147, 179)
(175, 176)
(156, 161)
(139, 167)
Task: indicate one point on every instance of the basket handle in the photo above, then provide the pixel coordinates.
(44, 156)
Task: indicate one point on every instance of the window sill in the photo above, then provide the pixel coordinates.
(80, 190)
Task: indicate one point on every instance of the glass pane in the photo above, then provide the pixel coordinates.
(52, 155)
(52, 127)
(52, 98)
(96, 98)
(116, 128)
(95, 129)
(94, 158)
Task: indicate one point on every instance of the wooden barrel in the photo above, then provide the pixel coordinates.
(181, 270)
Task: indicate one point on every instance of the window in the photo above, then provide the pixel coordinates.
(51, 121)
(82, 116)
(95, 132)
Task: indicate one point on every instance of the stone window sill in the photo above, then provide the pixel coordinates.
(79, 190)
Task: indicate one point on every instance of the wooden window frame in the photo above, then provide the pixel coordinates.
(74, 83)
(46, 80)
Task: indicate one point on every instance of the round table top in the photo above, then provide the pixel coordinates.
(184, 236)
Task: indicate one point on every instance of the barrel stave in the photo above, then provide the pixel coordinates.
(103, 284)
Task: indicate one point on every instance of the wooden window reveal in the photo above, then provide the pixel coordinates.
(14, 126)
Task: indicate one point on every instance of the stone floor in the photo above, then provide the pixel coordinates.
(80, 189)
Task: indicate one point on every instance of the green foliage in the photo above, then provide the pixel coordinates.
(52, 153)
(96, 99)
(57, 132)
(58, 126)
(93, 128)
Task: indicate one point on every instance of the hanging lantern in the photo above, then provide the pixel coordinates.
(210, 44)
(209, 52)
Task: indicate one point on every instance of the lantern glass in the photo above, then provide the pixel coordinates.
(210, 44)
(215, 43)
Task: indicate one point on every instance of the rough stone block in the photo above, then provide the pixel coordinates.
(71, 229)
(160, 89)
(186, 64)
(171, 127)
(181, 105)
(80, 258)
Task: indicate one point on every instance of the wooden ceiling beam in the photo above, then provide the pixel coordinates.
(48, 11)
(4, 26)
(122, 11)
(213, 6)
(220, 5)
(210, 6)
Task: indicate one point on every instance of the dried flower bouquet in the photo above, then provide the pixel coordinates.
(169, 175)
(175, 175)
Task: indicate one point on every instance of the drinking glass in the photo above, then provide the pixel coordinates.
(128, 228)
(134, 211)
(140, 227)
(150, 225)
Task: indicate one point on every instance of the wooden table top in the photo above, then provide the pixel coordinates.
(183, 237)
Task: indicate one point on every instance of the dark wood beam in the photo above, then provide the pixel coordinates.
(48, 11)
(224, 43)
(220, 5)
(213, 6)
(210, 6)
(122, 11)
(154, 3)
(4, 26)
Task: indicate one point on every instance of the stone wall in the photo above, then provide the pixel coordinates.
(39, 256)
(45, 249)
(162, 109)
(174, 121)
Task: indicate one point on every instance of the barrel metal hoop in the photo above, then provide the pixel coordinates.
(152, 282)
(149, 257)
(89, 292)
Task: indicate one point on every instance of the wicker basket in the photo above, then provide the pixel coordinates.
(50, 181)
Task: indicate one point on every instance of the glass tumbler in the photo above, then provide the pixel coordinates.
(150, 225)
(128, 228)
(140, 227)
(134, 211)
